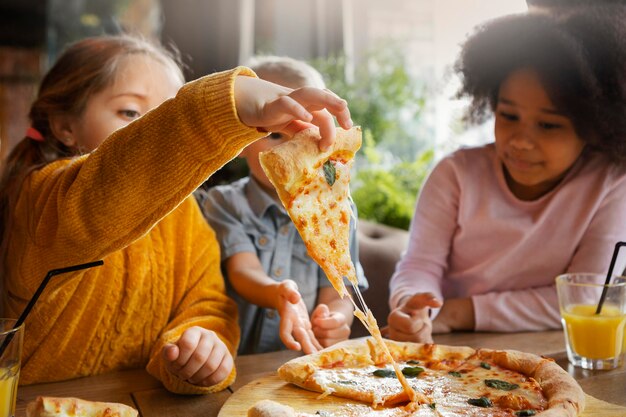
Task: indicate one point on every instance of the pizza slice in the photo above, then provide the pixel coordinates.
(75, 407)
(313, 186)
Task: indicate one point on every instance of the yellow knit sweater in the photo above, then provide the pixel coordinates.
(127, 203)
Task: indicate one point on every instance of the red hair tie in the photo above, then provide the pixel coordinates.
(34, 134)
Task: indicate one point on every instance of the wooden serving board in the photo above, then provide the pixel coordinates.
(273, 388)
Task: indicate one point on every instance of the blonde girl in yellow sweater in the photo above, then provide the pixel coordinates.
(115, 149)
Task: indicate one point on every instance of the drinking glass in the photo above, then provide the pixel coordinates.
(10, 365)
(594, 340)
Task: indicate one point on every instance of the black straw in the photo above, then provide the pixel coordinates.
(609, 275)
(35, 297)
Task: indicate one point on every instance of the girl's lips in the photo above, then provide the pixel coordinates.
(521, 164)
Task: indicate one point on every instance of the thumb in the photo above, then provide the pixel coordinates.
(291, 293)
(170, 352)
(295, 127)
(420, 301)
(321, 311)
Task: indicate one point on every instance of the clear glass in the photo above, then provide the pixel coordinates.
(593, 341)
(10, 365)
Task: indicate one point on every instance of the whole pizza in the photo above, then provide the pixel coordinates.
(455, 380)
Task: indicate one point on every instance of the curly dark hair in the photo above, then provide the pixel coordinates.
(580, 59)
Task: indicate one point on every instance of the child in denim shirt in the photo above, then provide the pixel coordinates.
(270, 275)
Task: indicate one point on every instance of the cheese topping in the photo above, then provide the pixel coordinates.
(313, 210)
(451, 392)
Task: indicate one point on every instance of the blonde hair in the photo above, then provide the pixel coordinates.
(286, 71)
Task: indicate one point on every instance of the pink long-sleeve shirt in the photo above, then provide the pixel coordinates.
(471, 237)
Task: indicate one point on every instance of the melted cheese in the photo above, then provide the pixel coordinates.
(326, 234)
(448, 392)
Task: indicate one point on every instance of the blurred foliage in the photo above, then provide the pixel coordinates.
(387, 102)
(384, 98)
(388, 195)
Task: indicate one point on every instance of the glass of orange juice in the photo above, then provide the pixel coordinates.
(9, 365)
(594, 340)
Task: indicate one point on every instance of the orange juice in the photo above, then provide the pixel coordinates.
(595, 336)
(8, 390)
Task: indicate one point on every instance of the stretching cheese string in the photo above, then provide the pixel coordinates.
(369, 321)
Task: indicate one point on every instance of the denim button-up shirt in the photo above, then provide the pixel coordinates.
(247, 219)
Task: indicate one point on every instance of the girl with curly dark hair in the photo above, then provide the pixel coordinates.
(494, 225)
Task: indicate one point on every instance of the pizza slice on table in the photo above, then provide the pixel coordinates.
(75, 407)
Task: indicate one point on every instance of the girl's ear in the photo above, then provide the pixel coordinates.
(61, 126)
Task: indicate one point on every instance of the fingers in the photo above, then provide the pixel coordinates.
(292, 109)
(296, 126)
(285, 333)
(289, 290)
(421, 301)
(307, 340)
(423, 335)
(321, 311)
(411, 321)
(326, 124)
(202, 358)
(323, 104)
(215, 369)
(186, 344)
(328, 337)
(170, 352)
(329, 328)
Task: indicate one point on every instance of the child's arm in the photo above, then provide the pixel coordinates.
(332, 317)
(248, 278)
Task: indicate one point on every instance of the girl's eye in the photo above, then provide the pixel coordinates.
(507, 116)
(549, 126)
(129, 114)
(275, 135)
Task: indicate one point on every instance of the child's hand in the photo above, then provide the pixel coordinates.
(275, 108)
(295, 327)
(329, 327)
(410, 320)
(198, 357)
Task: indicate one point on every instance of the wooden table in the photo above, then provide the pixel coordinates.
(140, 390)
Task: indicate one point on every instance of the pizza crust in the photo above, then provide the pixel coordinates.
(296, 158)
(76, 407)
(269, 408)
(565, 397)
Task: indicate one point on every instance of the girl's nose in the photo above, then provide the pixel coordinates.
(522, 140)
